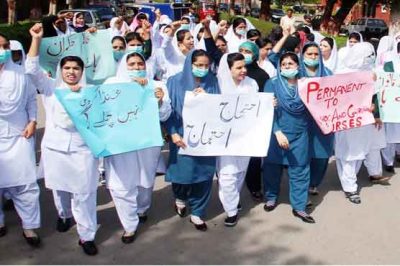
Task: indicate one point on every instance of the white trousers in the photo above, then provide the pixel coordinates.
(80, 206)
(126, 204)
(229, 189)
(347, 171)
(26, 202)
(389, 153)
(144, 199)
(373, 163)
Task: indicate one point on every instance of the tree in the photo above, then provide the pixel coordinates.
(338, 19)
(326, 17)
(265, 10)
(52, 7)
(11, 11)
(232, 7)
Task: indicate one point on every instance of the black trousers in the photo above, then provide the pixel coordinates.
(253, 175)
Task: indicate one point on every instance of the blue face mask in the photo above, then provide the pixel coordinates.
(248, 58)
(135, 49)
(311, 62)
(184, 27)
(289, 73)
(4, 56)
(199, 72)
(118, 55)
(137, 73)
(241, 32)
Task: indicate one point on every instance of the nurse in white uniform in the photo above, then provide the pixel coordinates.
(130, 176)
(353, 146)
(232, 169)
(17, 126)
(70, 169)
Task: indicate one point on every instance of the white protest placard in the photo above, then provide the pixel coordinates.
(230, 124)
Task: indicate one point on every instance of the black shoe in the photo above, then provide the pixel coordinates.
(353, 197)
(389, 169)
(8, 205)
(3, 231)
(304, 216)
(313, 191)
(270, 206)
(128, 239)
(200, 227)
(89, 247)
(63, 225)
(231, 221)
(142, 218)
(256, 196)
(33, 241)
(180, 211)
(383, 180)
(239, 207)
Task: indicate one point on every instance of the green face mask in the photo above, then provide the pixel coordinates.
(4, 56)
(118, 55)
(289, 73)
(311, 62)
(199, 72)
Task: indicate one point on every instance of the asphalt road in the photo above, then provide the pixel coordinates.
(344, 233)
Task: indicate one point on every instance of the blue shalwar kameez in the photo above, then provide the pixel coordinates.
(191, 176)
(292, 119)
(321, 146)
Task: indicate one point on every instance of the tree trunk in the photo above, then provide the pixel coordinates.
(11, 11)
(265, 10)
(326, 17)
(394, 26)
(341, 15)
(232, 7)
(52, 7)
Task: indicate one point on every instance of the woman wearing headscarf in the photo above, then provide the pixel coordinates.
(321, 146)
(354, 37)
(118, 27)
(289, 145)
(130, 176)
(250, 52)
(232, 169)
(18, 112)
(176, 45)
(78, 22)
(355, 145)
(385, 46)
(265, 46)
(392, 129)
(191, 176)
(236, 34)
(328, 50)
(17, 53)
(137, 21)
(70, 169)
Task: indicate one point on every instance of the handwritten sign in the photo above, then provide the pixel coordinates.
(233, 124)
(339, 102)
(94, 48)
(114, 118)
(388, 85)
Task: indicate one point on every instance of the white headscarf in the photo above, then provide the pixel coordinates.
(68, 30)
(114, 31)
(361, 57)
(60, 116)
(17, 46)
(331, 63)
(227, 84)
(386, 44)
(199, 44)
(343, 52)
(11, 97)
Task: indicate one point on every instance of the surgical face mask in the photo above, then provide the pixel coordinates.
(118, 55)
(289, 73)
(241, 32)
(135, 49)
(311, 62)
(184, 27)
(137, 73)
(248, 58)
(370, 60)
(4, 56)
(199, 72)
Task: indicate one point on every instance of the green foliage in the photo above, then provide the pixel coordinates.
(19, 32)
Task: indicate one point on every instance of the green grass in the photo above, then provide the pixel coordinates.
(263, 26)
